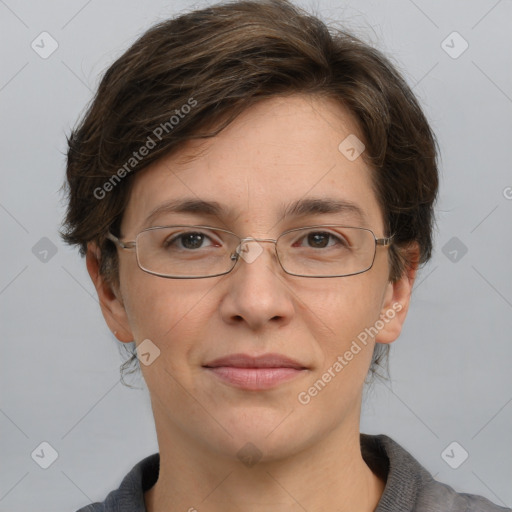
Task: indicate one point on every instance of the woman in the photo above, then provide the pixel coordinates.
(254, 195)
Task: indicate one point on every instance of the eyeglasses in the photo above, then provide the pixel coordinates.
(195, 252)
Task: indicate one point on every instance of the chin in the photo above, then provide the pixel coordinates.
(263, 434)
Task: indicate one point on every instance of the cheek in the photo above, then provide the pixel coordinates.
(159, 308)
(343, 314)
(348, 306)
(348, 311)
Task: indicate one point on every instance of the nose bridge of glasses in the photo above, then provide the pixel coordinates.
(252, 239)
(249, 248)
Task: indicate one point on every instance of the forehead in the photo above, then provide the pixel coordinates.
(262, 168)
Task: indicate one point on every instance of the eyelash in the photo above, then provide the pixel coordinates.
(169, 241)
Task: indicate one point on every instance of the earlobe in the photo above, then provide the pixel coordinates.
(397, 300)
(110, 299)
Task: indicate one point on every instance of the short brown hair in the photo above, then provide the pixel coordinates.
(221, 60)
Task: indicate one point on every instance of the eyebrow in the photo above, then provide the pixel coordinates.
(188, 205)
(299, 208)
(317, 206)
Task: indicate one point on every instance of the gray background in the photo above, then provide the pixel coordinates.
(59, 363)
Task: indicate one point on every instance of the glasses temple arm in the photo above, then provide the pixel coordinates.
(120, 243)
(384, 241)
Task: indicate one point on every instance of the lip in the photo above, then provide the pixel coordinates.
(263, 361)
(255, 373)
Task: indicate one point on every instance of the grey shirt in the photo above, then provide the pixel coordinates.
(409, 486)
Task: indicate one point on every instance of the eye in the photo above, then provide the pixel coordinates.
(189, 241)
(321, 240)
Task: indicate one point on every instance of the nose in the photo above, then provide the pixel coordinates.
(256, 289)
(249, 248)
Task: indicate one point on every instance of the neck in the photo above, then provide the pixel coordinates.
(329, 474)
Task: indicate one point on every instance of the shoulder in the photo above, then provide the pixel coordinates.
(410, 487)
(129, 496)
(438, 497)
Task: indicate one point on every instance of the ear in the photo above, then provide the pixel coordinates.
(109, 297)
(397, 298)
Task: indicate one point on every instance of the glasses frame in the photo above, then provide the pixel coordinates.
(132, 244)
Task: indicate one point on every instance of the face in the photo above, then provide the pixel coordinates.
(281, 151)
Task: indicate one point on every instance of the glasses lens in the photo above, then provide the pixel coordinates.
(185, 251)
(326, 251)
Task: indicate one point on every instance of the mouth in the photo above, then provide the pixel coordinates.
(255, 373)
